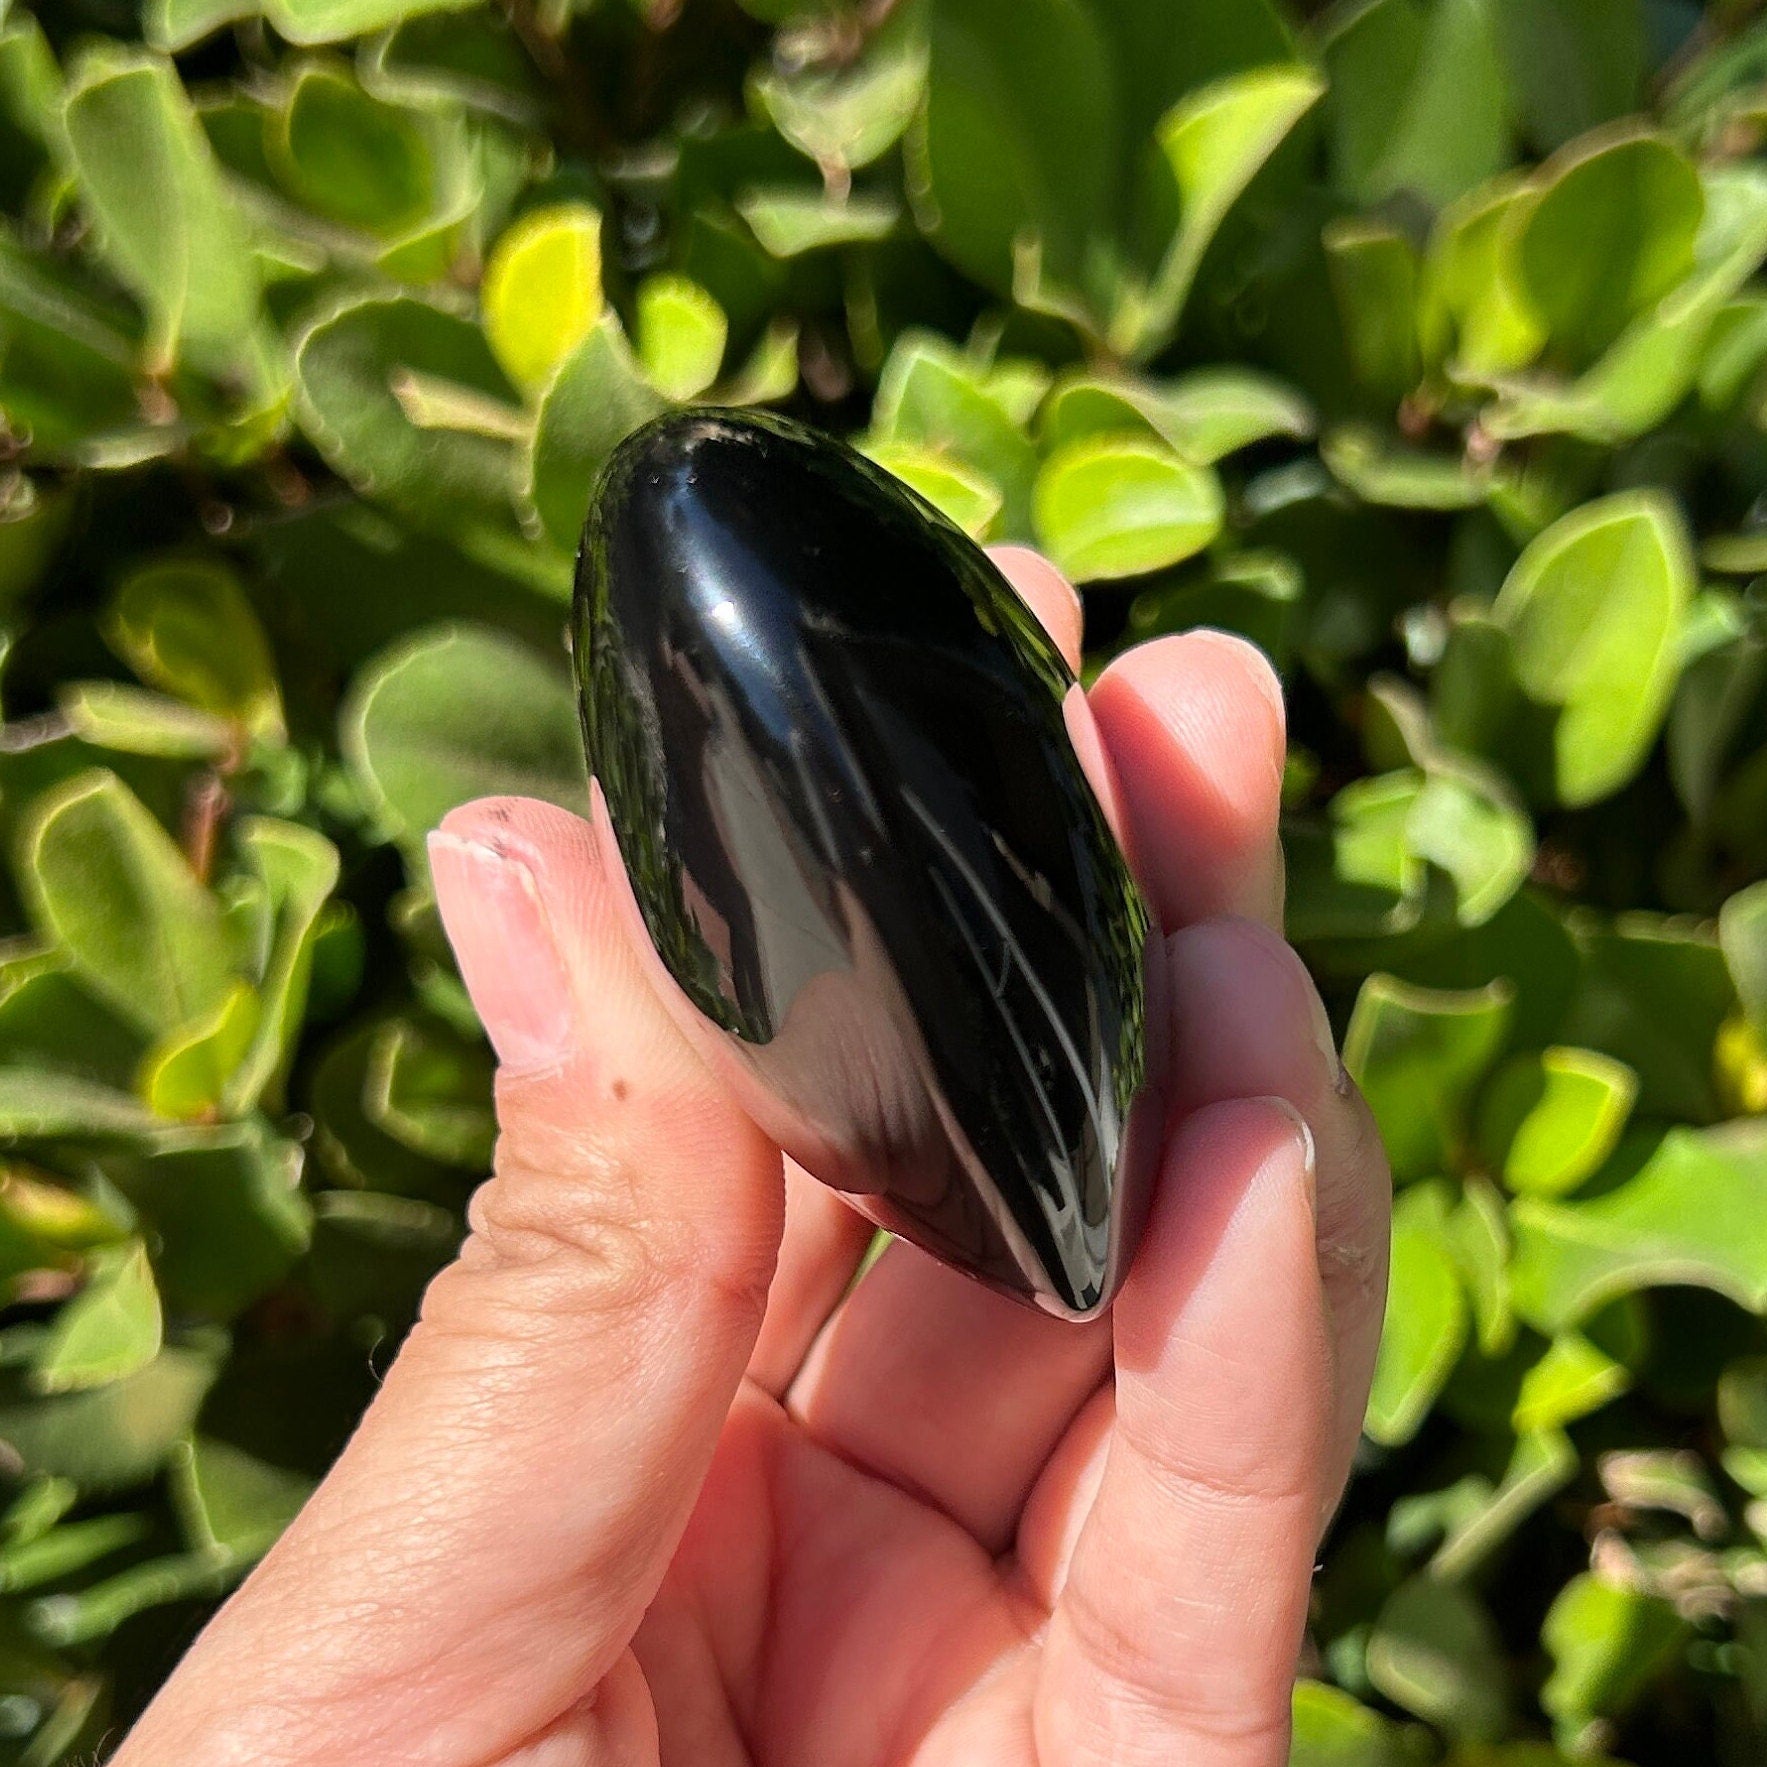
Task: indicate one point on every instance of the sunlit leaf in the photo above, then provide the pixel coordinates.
(111, 1329)
(542, 290)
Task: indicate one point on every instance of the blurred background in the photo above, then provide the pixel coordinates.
(1421, 341)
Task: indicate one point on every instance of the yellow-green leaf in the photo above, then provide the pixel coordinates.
(1118, 506)
(681, 334)
(542, 290)
(109, 1330)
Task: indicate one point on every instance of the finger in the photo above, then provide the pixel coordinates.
(1195, 730)
(1048, 594)
(1055, 1513)
(1249, 1021)
(1177, 1632)
(825, 1241)
(947, 1390)
(482, 1553)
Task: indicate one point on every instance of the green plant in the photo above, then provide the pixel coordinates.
(1422, 341)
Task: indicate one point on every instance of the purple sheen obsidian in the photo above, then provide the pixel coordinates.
(835, 751)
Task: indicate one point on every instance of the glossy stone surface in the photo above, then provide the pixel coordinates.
(835, 751)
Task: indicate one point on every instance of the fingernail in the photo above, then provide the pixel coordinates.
(1303, 1133)
(1328, 1044)
(490, 905)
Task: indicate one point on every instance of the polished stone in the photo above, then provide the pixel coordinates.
(836, 753)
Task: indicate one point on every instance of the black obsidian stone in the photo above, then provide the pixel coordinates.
(835, 750)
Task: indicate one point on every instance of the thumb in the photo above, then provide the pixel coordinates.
(482, 1553)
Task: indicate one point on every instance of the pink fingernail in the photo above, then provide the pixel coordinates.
(502, 937)
(1303, 1134)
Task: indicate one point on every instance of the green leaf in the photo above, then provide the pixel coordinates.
(348, 156)
(1254, 593)
(65, 1552)
(1467, 825)
(176, 25)
(229, 1216)
(1375, 275)
(298, 870)
(105, 1437)
(1426, 1319)
(844, 117)
(1214, 142)
(1333, 1730)
(1480, 1230)
(1420, 100)
(39, 1105)
(332, 21)
(932, 396)
(188, 1071)
(48, 1226)
(69, 357)
(166, 224)
(542, 290)
(1573, 63)
(681, 335)
(109, 1330)
(1475, 313)
(1574, 1377)
(367, 373)
(1539, 1467)
(771, 371)
(1593, 609)
(116, 897)
(1358, 877)
(1014, 140)
(94, 1613)
(1742, 1416)
(1549, 1120)
(1418, 1054)
(789, 221)
(597, 398)
(1742, 934)
(1118, 506)
(1684, 1209)
(460, 712)
(431, 1092)
(185, 627)
(1653, 993)
(1435, 1652)
(1609, 232)
(230, 1503)
(1205, 415)
(971, 501)
(1381, 469)
(132, 721)
(1607, 1644)
(1653, 364)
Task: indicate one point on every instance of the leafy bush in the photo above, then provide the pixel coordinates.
(1421, 341)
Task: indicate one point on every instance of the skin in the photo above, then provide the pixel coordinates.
(654, 1481)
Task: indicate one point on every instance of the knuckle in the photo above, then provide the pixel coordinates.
(1252, 1479)
(1153, 1695)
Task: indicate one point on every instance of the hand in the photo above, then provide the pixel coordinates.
(652, 1479)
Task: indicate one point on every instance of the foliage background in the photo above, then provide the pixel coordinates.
(1420, 340)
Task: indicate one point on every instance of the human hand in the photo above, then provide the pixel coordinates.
(648, 1483)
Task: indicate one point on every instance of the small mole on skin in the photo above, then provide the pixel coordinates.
(621, 1089)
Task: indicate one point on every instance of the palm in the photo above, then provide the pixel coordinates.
(816, 1612)
(877, 1569)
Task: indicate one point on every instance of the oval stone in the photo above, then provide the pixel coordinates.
(837, 754)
